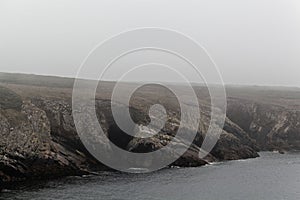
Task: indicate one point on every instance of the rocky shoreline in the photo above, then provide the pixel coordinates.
(39, 138)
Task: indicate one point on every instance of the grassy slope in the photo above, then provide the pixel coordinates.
(288, 97)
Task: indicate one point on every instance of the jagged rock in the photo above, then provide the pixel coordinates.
(273, 127)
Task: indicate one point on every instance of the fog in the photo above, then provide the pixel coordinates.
(253, 42)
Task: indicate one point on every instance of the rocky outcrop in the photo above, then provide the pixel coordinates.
(39, 138)
(30, 151)
(273, 127)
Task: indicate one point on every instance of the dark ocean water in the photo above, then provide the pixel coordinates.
(273, 176)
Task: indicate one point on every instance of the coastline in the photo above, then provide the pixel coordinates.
(39, 139)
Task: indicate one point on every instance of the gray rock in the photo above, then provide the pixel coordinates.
(39, 138)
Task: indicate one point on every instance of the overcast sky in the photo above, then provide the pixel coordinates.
(253, 42)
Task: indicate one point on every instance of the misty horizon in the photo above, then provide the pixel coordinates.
(252, 43)
(179, 83)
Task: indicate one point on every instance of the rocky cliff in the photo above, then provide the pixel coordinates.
(271, 118)
(39, 139)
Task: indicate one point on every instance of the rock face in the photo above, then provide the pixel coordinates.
(29, 149)
(270, 116)
(39, 138)
(272, 127)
